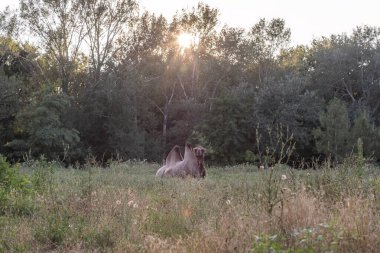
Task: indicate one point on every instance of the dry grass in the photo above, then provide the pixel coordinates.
(126, 209)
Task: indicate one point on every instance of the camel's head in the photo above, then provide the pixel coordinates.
(199, 152)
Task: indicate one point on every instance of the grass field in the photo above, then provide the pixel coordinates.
(124, 208)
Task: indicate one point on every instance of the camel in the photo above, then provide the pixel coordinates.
(173, 157)
(192, 164)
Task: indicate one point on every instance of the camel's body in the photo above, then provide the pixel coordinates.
(191, 165)
(173, 157)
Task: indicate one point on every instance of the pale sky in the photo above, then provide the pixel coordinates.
(307, 19)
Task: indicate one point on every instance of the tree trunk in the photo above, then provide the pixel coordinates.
(164, 131)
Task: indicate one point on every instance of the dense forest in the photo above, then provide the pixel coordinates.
(104, 79)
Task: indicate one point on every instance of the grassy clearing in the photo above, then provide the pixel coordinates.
(124, 208)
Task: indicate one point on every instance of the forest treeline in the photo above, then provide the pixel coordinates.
(104, 79)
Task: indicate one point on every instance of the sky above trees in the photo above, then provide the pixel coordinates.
(307, 19)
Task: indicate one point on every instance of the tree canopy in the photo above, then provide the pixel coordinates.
(105, 79)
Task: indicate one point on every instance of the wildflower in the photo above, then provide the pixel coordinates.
(228, 202)
(135, 205)
(118, 202)
(130, 203)
(283, 177)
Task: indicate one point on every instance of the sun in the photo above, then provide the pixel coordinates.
(186, 40)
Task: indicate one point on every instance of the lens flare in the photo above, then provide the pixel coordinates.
(186, 40)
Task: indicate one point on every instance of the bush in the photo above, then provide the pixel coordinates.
(15, 189)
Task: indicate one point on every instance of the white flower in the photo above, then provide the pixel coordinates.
(118, 202)
(135, 205)
(130, 203)
(283, 177)
(228, 202)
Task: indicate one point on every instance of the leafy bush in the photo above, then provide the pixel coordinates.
(15, 189)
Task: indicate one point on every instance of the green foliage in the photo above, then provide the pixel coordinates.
(250, 156)
(41, 129)
(227, 129)
(368, 133)
(337, 136)
(12, 179)
(333, 135)
(135, 93)
(15, 189)
(15, 70)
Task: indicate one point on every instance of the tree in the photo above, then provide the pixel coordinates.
(17, 72)
(288, 102)
(346, 67)
(104, 23)
(227, 129)
(10, 104)
(170, 76)
(265, 40)
(8, 23)
(332, 137)
(58, 27)
(369, 134)
(39, 129)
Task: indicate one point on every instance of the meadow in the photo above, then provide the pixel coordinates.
(124, 208)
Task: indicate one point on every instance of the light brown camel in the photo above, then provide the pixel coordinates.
(192, 164)
(173, 157)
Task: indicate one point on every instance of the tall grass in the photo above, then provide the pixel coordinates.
(124, 208)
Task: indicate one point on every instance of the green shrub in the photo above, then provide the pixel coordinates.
(15, 189)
